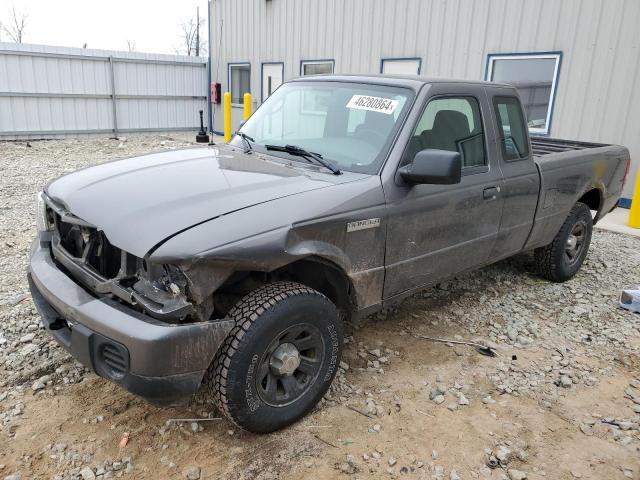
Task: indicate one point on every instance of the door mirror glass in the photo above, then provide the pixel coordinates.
(432, 166)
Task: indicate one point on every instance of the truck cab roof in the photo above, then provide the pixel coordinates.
(415, 82)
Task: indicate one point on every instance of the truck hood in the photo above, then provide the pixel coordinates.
(139, 202)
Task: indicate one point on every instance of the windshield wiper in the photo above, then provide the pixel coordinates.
(301, 152)
(247, 141)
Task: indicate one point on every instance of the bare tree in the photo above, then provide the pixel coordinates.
(131, 45)
(16, 28)
(192, 42)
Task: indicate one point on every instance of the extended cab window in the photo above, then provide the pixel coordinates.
(513, 131)
(454, 124)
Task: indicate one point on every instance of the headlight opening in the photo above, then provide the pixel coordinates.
(43, 222)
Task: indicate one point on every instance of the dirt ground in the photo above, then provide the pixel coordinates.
(560, 401)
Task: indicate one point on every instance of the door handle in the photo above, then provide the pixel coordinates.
(490, 193)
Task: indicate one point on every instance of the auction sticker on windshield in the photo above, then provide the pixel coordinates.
(373, 104)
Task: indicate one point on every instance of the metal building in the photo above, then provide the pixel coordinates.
(575, 62)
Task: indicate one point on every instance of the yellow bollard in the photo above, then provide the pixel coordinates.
(247, 106)
(227, 116)
(634, 212)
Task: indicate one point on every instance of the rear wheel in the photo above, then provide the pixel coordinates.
(562, 258)
(279, 359)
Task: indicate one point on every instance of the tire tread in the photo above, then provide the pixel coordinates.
(545, 258)
(244, 314)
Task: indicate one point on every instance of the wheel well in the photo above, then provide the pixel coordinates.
(592, 199)
(317, 273)
(323, 276)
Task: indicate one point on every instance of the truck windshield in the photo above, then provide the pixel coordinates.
(350, 125)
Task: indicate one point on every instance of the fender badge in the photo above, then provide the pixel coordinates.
(363, 224)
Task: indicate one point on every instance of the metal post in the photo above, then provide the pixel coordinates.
(227, 117)
(634, 212)
(113, 98)
(246, 113)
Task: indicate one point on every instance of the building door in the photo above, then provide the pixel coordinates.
(272, 78)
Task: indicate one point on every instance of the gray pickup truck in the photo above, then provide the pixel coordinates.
(231, 269)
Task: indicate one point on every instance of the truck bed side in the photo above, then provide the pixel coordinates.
(573, 171)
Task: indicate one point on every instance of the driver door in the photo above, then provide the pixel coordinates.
(436, 231)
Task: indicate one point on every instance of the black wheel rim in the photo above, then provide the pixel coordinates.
(281, 379)
(575, 242)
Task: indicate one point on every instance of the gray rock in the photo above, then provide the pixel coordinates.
(27, 338)
(586, 429)
(87, 474)
(438, 390)
(37, 385)
(624, 441)
(439, 399)
(192, 473)
(516, 474)
(503, 454)
(16, 299)
(348, 468)
(628, 426)
(565, 381)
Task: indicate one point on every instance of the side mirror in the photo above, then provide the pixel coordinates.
(431, 166)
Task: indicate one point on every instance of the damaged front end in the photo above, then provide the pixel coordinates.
(164, 292)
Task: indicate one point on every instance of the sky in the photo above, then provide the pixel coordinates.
(154, 26)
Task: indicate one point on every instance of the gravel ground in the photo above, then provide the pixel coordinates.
(560, 401)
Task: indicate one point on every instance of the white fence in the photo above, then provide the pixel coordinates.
(50, 92)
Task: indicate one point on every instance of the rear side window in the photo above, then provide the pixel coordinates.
(513, 130)
(454, 124)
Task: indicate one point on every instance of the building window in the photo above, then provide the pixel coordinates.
(401, 66)
(535, 76)
(239, 82)
(316, 67)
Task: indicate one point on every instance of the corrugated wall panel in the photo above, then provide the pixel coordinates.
(598, 92)
(46, 91)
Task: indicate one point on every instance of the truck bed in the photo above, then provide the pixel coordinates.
(544, 146)
(568, 170)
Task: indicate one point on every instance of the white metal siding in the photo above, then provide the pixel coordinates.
(598, 92)
(51, 91)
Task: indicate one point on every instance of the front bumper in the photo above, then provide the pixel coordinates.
(162, 363)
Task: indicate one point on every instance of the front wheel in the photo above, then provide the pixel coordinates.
(279, 359)
(562, 258)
